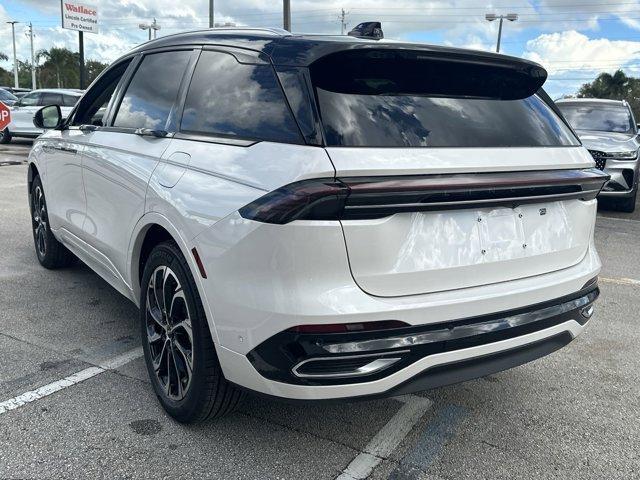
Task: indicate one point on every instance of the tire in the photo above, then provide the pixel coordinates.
(51, 253)
(170, 353)
(5, 136)
(628, 205)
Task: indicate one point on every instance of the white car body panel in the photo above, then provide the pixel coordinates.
(269, 278)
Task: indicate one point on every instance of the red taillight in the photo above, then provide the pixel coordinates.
(348, 327)
(318, 199)
(377, 197)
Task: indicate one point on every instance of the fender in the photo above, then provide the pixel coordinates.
(133, 254)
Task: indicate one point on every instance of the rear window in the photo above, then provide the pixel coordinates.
(50, 98)
(69, 100)
(417, 121)
(602, 118)
(415, 102)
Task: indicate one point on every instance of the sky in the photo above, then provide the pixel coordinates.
(574, 40)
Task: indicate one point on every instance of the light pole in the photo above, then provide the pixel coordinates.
(512, 17)
(15, 59)
(33, 61)
(211, 22)
(151, 26)
(286, 15)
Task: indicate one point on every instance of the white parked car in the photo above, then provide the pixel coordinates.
(314, 217)
(23, 110)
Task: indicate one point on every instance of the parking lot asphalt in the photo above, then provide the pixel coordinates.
(574, 414)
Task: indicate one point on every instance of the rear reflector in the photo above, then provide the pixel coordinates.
(377, 197)
(348, 327)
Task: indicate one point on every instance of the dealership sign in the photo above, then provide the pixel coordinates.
(80, 16)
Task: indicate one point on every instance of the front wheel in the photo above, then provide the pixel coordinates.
(5, 136)
(51, 253)
(178, 349)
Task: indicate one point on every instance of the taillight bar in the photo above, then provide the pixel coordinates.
(377, 197)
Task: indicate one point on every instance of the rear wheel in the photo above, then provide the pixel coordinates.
(5, 136)
(50, 252)
(178, 349)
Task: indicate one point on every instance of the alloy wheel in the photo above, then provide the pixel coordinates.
(40, 221)
(169, 333)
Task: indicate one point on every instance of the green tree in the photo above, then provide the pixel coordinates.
(6, 77)
(59, 69)
(618, 86)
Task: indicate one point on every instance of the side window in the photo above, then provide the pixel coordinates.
(69, 100)
(94, 104)
(233, 99)
(50, 98)
(152, 93)
(30, 100)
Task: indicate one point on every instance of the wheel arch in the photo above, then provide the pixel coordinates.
(152, 229)
(32, 173)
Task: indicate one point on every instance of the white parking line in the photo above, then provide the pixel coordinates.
(388, 438)
(620, 281)
(74, 379)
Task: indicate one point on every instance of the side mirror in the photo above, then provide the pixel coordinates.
(48, 117)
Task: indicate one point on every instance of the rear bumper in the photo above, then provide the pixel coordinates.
(468, 353)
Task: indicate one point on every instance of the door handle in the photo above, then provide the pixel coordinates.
(148, 132)
(88, 128)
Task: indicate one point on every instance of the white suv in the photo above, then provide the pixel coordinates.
(317, 217)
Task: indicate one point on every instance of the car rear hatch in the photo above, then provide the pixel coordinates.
(458, 172)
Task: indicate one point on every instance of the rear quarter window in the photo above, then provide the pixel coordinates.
(231, 99)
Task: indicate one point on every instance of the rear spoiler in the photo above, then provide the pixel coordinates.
(445, 71)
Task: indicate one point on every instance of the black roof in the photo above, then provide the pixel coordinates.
(285, 48)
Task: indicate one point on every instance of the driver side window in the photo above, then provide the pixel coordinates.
(95, 102)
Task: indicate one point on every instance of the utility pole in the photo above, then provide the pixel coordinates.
(512, 17)
(343, 23)
(33, 60)
(211, 22)
(15, 59)
(286, 12)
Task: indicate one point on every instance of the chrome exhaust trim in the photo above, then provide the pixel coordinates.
(374, 366)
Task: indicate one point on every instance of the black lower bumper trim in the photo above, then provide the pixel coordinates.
(451, 373)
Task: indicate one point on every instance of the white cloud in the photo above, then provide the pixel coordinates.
(571, 51)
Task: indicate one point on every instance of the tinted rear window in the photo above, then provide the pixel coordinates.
(603, 118)
(237, 100)
(418, 121)
(410, 99)
(49, 98)
(69, 100)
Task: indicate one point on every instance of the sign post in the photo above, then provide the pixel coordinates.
(82, 17)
